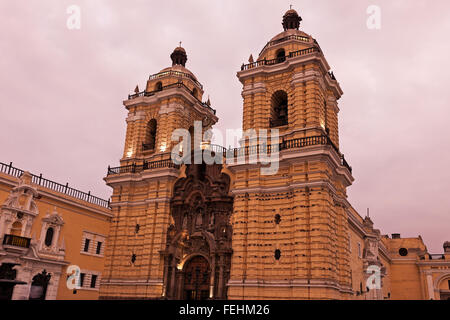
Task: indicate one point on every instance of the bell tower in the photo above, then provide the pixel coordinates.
(172, 99)
(143, 183)
(290, 86)
(290, 237)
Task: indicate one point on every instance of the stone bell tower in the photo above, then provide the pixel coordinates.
(143, 183)
(171, 100)
(290, 232)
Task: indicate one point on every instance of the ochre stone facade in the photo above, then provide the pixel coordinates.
(293, 234)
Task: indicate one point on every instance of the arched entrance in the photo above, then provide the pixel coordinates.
(443, 285)
(38, 289)
(196, 279)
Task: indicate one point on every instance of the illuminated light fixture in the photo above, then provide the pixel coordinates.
(163, 147)
(129, 153)
(205, 145)
(322, 124)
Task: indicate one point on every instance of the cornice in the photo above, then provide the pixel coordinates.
(61, 197)
(168, 93)
(141, 176)
(287, 65)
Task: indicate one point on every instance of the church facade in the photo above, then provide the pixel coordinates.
(228, 231)
(179, 226)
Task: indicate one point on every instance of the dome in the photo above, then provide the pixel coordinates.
(302, 40)
(179, 49)
(291, 20)
(179, 68)
(177, 71)
(291, 12)
(290, 32)
(179, 56)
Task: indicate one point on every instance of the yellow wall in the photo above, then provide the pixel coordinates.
(78, 216)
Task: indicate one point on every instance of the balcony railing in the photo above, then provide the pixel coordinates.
(152, 93)
(16, 241)
(279, 59)
(55, 186)
(135, 168)
(170, 86)
(239, 152)
(177, 74)
(291, 37)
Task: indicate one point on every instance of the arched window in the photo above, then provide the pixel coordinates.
(281, 55)
(277, 219)
(49, 237)
(16, 228)
(150, 139)
(158, 86)
(277, 254)
(279, 109)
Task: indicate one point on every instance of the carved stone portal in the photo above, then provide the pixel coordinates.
(198, 248)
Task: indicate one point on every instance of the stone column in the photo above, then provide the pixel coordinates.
(166, 276)
(212, 277)
(221, 266)
(430, 286)
(172, 280)
(180, 282)
(52, 288)
(22, 291)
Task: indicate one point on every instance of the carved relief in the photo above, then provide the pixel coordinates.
(200, 210)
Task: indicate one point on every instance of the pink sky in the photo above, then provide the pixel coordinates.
(61, 90)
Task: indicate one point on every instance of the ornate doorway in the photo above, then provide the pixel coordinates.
(38, 289)
(197, 257)
(196, 279)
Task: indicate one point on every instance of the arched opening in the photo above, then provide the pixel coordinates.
(150, 139)
(279, 109)
(281, 55)
(39, 286)
(49, 237)
(195, 93)
(277, 254)
(158, 86)
(277, 219)
(444, 287)
(196, 279)
(16, 229)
